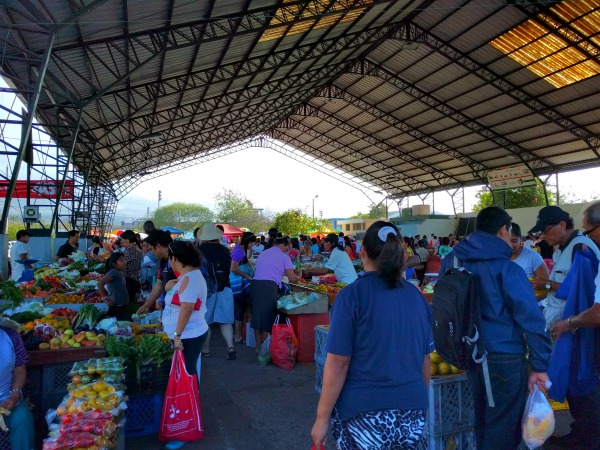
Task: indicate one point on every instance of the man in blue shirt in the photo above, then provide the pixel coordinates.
(511, 323)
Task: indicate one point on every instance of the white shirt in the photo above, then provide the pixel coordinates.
(528, 243)
(358, 247)
(18, 248)
(529, 261)
(258, 248)
(342, 267)
(195, 292)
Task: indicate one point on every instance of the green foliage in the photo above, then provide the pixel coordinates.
(185, 216)
(256, 221)
(375, 212)
(515, 198)
(294, 221)
(12, 228)
(232, 207)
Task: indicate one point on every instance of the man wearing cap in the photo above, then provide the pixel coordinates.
(556, 228)
(19, 251)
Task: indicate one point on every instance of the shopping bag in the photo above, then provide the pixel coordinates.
(284, 345)
(264, 356)
(181, 417)
(538, 419)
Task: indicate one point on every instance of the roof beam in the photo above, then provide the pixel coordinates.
(289, 123)
(503, 85)
(333, 91)
(310, 110)
(324, 157)
(368, 67)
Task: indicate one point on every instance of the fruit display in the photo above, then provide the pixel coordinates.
(69, 339)
(441, 367)
(97, 366)
(329, 288)
(76, 441)
(92, 296)
(65, 299)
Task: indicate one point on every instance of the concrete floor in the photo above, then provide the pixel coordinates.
(249, 407)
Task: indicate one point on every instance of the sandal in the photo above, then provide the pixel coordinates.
(240, 341)
(206, 354)
(231, 355)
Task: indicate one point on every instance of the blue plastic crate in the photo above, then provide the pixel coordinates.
(319, 366)
(450, 404)
(143, 414)
(321, 332)
(4, 441)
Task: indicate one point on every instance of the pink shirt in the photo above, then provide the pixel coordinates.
(271, 265)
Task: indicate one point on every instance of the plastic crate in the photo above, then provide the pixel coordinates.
(557, 406)
(143, 414)
(457, 440)
(153, 378)
(450, 404)
(321, 332)
(319, 366)
(250, 338)
(4, 441)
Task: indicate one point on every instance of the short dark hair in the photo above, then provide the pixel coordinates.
(96, 240)
(516, 230)
(128, 235)
(492, 219)
(196, 232)
(341, 234)
(112, 260)
(74, 233)
(185, 253)
(282, 241)
(22, 233)
(159, 237)
(387, 255)
(445, 241)
(273, 232)
(220, 227)
(149, 224)
(334, 240)
(592, 214)
(313, 240)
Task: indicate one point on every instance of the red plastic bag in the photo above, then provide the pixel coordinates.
(181, 418)
(284, 345)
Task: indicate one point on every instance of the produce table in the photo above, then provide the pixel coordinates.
(64, 355)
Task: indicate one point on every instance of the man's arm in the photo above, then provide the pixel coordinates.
(590, 318)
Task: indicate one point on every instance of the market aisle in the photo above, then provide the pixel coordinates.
(249, 407)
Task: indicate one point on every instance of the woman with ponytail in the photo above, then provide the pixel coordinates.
(377, 370)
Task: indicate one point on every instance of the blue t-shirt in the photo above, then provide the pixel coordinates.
(315, 249)
(387, 333)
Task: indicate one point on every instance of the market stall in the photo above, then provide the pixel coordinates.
(63, 324)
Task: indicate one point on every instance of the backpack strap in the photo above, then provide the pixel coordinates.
(486, 381)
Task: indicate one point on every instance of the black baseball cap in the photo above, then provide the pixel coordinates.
(549, 215)
(22, 233)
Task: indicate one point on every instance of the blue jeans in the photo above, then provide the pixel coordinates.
(20, 424)
(499, 428)
(586, 418)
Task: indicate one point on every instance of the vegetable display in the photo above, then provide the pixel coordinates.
(10, 291)
(88, 315)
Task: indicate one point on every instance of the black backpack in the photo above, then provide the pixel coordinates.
(457, 322)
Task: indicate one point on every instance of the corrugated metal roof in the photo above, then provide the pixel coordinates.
(371, 87)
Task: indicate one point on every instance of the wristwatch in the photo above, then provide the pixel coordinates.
(17, 390)
(548, 286)
(176, 334)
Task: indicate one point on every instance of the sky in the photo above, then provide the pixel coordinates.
(273, 181)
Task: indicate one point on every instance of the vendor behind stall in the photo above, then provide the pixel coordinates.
(13, 373)
(69, 247)
(19, 251)
(339, 261)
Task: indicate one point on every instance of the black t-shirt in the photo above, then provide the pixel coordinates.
(66, 250)
(165, 274)
(219, 263)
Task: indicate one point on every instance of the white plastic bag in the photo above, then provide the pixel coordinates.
(264, 355)
(538, 419)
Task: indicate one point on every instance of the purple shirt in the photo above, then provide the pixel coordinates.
(21, 355)
(238, 254)
(272, 264)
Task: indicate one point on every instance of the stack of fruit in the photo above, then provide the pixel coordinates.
(88, 417)
(65, 299)
(69, 339)
(441, 367)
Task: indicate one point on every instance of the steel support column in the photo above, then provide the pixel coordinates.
(31, 109)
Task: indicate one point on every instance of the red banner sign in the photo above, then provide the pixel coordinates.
(39, 189)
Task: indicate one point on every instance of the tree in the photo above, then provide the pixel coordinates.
(323, 226)
(375, 212)
(294, 221)
(515, 198)
(185, 216)
(231, 207)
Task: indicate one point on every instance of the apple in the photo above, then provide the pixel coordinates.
(71, 342)
(54, 341)
(101, 337)
(79, 337)
(68, 332)
(64, 338)
(76, 345)
(65, 345)
(44, 346)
